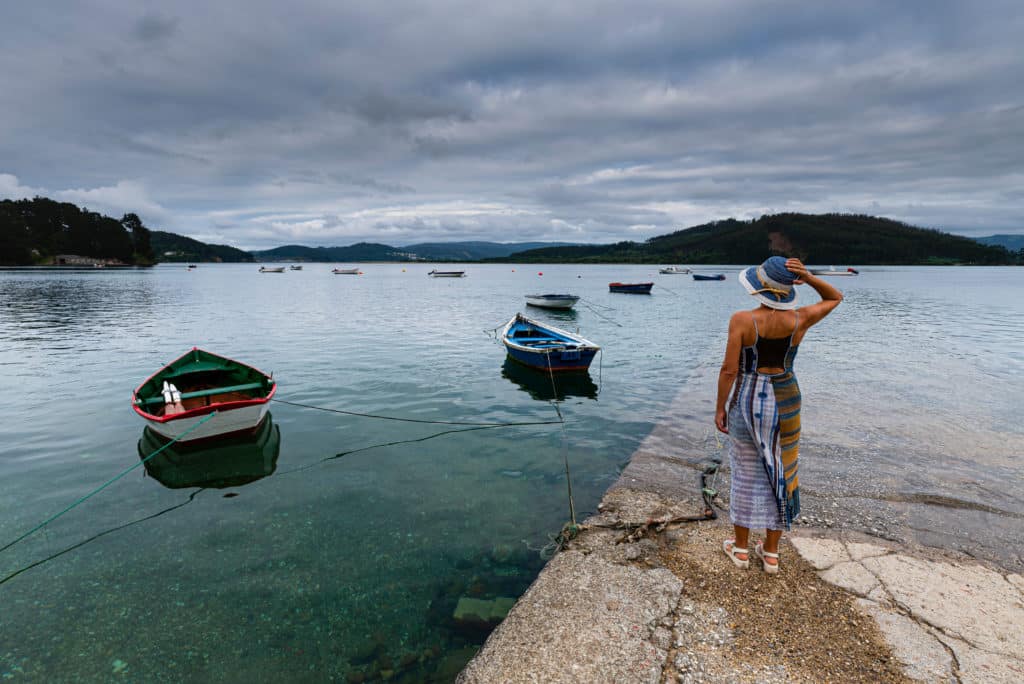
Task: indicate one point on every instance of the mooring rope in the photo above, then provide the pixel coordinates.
(104, 533)
(597, 313)
(105, 484)
(412, 420)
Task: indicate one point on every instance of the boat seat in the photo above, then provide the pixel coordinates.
(204, 393)
(539, 339)
(196, 367)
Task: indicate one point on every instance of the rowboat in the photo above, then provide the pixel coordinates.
(833, 271)
(227, 462)
(297, 267)
(545, 347)
(347, 271)
(552, 301)
(184, 392)
(446, 274)
(631, 288)
(271, 269)
(716, 276)
(674, 270)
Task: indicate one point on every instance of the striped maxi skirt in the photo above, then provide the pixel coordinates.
(764, 426)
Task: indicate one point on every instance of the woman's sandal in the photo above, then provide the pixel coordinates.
(729, 546)
(770, 568)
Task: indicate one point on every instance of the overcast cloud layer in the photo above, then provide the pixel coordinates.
(261, 123)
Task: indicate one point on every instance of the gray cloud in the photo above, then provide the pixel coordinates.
(258, 123)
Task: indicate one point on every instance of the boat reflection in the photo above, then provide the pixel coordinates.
(539, 384)
(229, 462)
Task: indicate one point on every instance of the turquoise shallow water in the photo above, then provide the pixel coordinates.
(333, 565)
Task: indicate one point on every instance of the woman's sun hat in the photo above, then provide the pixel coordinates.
(771, 283)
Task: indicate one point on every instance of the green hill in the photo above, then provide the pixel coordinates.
(36, 231)
(178, 248)
(815, 238)
(361, 251)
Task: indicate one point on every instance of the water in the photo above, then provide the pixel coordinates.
(327, 566)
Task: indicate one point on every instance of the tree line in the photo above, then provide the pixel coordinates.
(34, 231)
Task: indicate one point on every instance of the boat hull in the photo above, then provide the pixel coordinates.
(552, 301)
(228, 421)
(631, 288)
(708, 277)
(447, 274)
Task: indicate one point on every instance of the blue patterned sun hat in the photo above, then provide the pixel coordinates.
(771, 283)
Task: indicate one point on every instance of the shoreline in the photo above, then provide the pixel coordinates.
(670, 607)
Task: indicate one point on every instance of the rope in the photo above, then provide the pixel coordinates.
(411, 420)
(565, 441)
(597, 313)
(101, 534)
(106, 484)
(665, 288)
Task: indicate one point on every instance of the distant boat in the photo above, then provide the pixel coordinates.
(668, 270)
(191, 266)
(446, 274)
(227, 462)
(833, 271)
(271, 269)
(197, 383)
(631, 288)
(545, 347)
(552, 301)
(347, 271)
(716, 276)
(297, 267)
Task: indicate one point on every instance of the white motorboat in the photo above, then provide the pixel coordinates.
(446, 274)
(347, 271)
(674, 270)
(271, 269)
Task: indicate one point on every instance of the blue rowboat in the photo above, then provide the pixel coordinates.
(631, 288)
(545, 347)
(717, 276)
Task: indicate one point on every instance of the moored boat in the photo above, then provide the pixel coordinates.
(446, 274)
(296, 267)
(833, 271)
(347, 271)
(271, 269)
(191, 266)
(552, 301)
(668, 270)
(706, 276)
(184, 392)
(545, 347)
(631, 288)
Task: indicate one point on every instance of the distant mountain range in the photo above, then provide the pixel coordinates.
(424, 251)
(1014, 243)
(41, 231)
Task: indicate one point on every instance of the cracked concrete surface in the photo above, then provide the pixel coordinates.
(946, 620)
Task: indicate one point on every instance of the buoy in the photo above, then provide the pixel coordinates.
(540, 272)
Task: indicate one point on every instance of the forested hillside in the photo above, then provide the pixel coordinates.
(177, 248)
(815, 238)
(36, 230)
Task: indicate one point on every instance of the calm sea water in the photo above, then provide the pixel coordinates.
(326, 565)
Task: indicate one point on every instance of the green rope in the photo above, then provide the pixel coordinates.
(106, 484)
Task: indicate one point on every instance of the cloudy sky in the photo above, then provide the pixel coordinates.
(260, 123)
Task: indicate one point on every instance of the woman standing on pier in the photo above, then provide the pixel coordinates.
(764, 415)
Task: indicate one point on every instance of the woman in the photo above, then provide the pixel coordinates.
(764, 416)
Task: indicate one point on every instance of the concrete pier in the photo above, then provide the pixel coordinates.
(670, 607)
